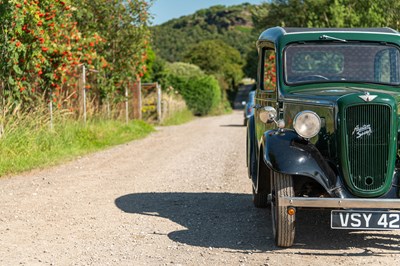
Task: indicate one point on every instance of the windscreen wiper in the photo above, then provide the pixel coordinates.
(327, 37)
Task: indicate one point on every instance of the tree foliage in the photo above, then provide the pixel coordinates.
(328, 13)
(45, 43)
(230, 24)
(41, 48)
(219, 59)
(124, 27)
(184, 69)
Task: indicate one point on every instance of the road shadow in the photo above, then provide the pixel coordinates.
(225, 220)
(217, 220)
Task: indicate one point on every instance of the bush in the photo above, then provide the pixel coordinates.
(201, 93)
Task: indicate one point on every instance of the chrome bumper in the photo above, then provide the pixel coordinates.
(340, 203)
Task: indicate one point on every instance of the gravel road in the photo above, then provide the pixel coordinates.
(179, 197)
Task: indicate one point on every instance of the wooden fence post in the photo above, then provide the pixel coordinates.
(159, 100)
(126, 104)
(51, 111)
(2, 114)
(82, 92)
(137, 100)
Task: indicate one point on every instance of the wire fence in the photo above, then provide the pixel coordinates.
(139, 101)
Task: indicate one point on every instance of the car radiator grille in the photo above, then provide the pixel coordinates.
(368, 140)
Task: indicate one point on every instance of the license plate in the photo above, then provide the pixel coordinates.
(365, 220)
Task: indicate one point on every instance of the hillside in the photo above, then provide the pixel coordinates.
(231, 24)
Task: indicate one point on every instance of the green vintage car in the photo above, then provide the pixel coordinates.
(325, 129)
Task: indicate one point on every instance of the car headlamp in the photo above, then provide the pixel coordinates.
(307, 124)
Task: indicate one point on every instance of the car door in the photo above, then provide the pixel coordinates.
(266, 94)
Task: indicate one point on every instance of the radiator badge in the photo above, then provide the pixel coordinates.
(367, 97)
(362, 131)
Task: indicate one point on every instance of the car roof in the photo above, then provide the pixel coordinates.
(289, 30)
(276, 33)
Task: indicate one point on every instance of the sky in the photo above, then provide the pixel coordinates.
(164, 10)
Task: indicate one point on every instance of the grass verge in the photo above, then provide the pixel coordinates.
(178, 118)
(223, 108)
(28, 143)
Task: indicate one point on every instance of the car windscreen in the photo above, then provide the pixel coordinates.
(342, 62)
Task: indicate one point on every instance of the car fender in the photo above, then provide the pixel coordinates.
(286, 152)
(251, 148)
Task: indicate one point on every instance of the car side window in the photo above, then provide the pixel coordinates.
(269, 80)
(386, 69)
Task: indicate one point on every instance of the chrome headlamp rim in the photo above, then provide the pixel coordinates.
(317, 129)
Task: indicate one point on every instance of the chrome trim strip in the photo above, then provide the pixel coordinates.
(308, 101)
(359, 203)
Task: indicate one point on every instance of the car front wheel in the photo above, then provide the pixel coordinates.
(283, 224)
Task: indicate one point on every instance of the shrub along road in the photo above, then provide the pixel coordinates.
(178, 197)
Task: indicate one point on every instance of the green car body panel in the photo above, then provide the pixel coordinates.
(358, 138)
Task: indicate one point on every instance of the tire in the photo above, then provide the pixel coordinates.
(260, 200)
(283, 224)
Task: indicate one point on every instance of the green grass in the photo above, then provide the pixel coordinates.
(29, 143)
(178, 118)
(223, 108)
